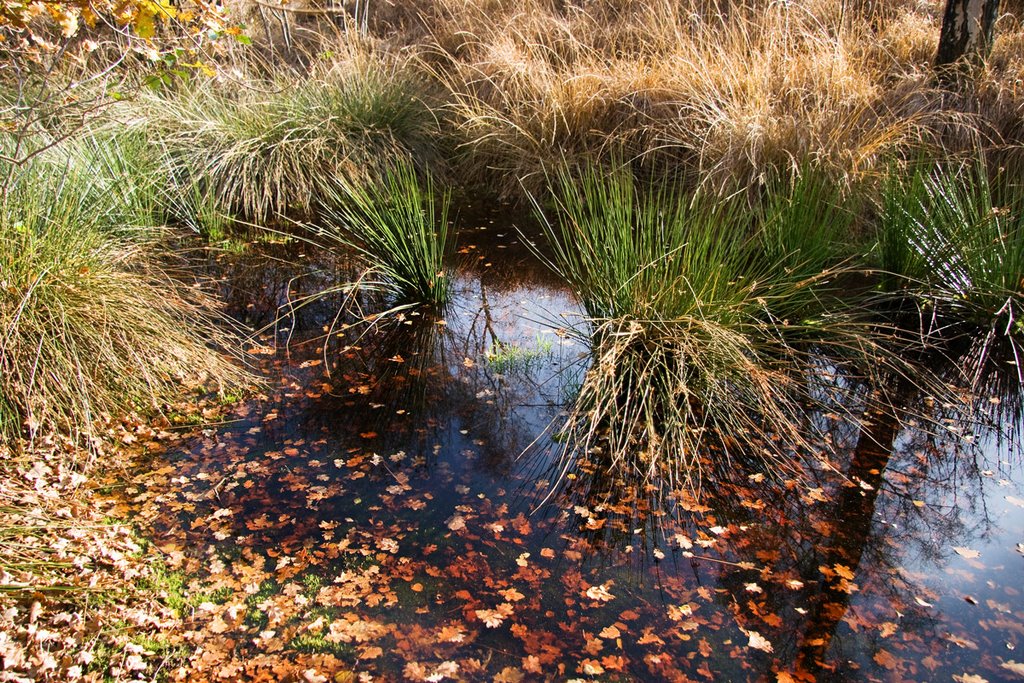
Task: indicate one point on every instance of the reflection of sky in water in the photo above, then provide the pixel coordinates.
(873, 578)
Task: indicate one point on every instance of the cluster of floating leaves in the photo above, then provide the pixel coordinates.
(343, 534)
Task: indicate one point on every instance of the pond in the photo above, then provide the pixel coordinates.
(393, 507)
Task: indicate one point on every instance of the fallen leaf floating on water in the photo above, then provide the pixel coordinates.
(1015, 667)
(966, 552)
(1020, 548)
(843, 571)
(758, 642)
(600, 593)
(1016, 501)
(969, 678)
(685, 543)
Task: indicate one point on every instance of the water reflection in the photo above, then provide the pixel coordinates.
(386, 461)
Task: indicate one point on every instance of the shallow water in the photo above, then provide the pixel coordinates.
(388, 508)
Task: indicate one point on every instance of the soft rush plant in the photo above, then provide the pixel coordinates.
(956, 236)
(951, 238)
(688, 353)
(399, 227)
(90, 325)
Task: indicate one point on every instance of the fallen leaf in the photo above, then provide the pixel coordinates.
(966, 552)
(843, 571)
(758, 642)
(884, 658)
(599, 593)
(1015, 667)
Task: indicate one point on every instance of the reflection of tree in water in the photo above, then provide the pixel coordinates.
(830, 565)
(418, 380)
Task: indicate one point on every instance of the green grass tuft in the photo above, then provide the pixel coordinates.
(273, 150)
(400, 228)
(702, 314)
(92, 324)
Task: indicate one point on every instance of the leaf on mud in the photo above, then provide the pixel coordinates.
(966, 552)
(452, 633)
(600, 593)
(492, 618)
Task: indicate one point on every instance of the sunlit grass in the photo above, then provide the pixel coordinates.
(954, 237)
(399, 227)
(92, 325)
(271, 149)
(688, 298)
(951, 242)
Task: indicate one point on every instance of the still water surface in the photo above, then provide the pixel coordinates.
(387, 507)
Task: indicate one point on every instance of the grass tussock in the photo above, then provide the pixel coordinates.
(951, 239)
(729, 95)
(700, 318)
(93, 325)
(399, 227)
(263, 150)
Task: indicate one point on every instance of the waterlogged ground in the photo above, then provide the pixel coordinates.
(386, 512)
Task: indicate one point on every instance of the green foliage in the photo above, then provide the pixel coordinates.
(690, 299)
(314, 643)
(953, 237)
(92, 326)
(400, 228)
(274, 149)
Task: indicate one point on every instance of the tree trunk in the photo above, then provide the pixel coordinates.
(966, 30)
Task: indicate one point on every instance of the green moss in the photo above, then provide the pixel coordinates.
(317, 644)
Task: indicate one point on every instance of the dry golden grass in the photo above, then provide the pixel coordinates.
(730, 93)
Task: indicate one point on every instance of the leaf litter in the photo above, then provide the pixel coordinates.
(318, 540)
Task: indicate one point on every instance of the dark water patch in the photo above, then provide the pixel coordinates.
(387, 508)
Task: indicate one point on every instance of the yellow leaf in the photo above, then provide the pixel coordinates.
(144, 25)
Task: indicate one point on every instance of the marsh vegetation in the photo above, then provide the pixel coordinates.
(775, 232)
